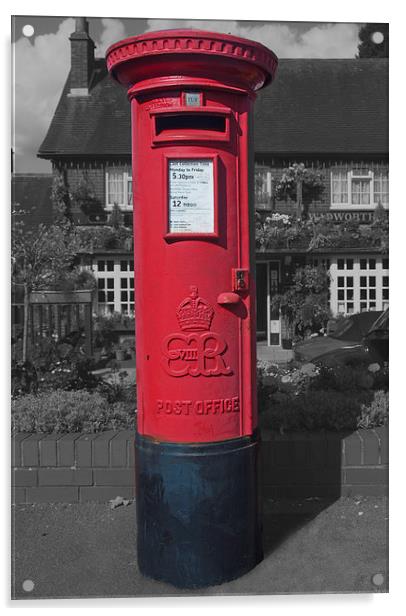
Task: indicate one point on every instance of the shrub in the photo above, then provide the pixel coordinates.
(381, 378)
(319, 410)
(55, 365)
(116, 390)
(63, 411)
(293, 379)
(268, 381)
(24, 378)
(344, 378)
(72, 374)
(376, 413)
(304, 305)
(107, 327)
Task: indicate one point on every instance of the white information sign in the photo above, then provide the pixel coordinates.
(191, 196)
(275, 327)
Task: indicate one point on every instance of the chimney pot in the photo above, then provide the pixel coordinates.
(82, 25)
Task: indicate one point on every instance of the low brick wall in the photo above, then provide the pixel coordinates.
(329, 465)
(98, 467)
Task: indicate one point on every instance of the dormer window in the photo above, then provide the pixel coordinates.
(119, 187)
(359, 188)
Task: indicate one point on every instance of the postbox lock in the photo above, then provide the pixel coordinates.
(240, 280)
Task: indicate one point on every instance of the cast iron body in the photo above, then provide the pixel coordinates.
(191, 95)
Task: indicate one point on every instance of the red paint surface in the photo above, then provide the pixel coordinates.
(196, 368)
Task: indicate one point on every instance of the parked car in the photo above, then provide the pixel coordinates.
(377, 338)
(360, 338)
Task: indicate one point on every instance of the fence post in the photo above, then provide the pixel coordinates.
(31, 323)
(40, 320)
(68, 319)
(88, 329)
(58, 322)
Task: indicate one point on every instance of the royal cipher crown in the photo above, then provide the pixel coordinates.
(194, 313)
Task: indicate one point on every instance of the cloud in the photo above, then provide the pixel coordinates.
(330, 41)
(40, 70)
(324, 40)
(41, 67)
(42, 64)
(113, 30)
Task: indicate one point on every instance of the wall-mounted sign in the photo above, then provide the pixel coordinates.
(344, 215)
(191, 196)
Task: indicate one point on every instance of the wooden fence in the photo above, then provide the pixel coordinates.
(58, 315)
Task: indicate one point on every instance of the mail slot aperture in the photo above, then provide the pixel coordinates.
(190, 121)
(185, 124)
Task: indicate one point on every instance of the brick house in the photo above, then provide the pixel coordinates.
(331, 115)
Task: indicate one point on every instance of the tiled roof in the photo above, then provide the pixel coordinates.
(313, 107)
(324, 106)
(31, 194)
(94, 125)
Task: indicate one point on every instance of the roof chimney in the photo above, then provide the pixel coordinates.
(82, 58)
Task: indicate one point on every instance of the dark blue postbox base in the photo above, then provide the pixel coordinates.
(197, 511)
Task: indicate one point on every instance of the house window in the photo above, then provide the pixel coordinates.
(345, 294)
(367, 290)
(115, 282)
(381, 188)
(263, 187)
(385, 292)
(359, 284)
(345, 264)
(339, 187)
(322, 262)
(105, 294)
(359, 188)
(119, 187)
(127, 286)
(385, 283)
(127, 295)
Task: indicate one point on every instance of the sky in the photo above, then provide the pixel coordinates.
(41, 61)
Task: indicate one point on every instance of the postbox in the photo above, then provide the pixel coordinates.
(191, 95)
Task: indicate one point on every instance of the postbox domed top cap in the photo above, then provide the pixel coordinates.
(192, 53)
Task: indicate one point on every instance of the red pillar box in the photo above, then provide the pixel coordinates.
(192, 94)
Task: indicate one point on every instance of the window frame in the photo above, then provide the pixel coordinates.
(352, 175)
(368, 284)
(122, 269)
(127, 178)
(379, 177)
(268, 179)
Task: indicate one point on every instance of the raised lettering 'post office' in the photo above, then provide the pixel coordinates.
(192, 95)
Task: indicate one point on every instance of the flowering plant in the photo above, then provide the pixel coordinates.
(301, 184)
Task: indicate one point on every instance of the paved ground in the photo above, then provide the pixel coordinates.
(311, 546)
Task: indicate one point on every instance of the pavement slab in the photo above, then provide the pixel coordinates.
(88, 550)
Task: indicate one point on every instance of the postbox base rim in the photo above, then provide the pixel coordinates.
(198, 521)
